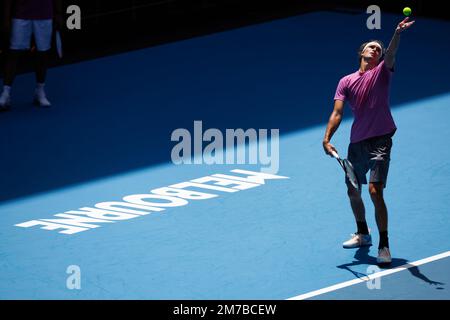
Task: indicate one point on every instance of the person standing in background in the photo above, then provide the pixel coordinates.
(24, 19)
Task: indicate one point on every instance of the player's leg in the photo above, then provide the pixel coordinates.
(362, 236)
(358, 159)
(41, 66)
(381, 215)
(42, 34)
(12, 57)
(19, 42)
(380, 150)
(357, 206)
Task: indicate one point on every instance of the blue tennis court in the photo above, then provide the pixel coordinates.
(251, 235)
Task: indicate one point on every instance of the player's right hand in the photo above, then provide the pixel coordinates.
(328, 148)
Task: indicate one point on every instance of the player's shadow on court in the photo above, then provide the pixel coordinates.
(362, 257)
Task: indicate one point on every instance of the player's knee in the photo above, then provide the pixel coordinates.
(352, 193)
(376, 192)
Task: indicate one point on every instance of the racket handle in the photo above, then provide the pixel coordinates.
(334, 154)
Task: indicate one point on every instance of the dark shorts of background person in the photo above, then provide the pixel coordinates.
(372, 154)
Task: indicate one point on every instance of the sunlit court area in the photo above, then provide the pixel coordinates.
(181, 155)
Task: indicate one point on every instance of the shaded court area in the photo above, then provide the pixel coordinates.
(108, 137)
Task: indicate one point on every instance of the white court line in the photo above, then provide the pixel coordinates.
(370, 277)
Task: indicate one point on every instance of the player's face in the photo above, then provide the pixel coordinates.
(372, 51)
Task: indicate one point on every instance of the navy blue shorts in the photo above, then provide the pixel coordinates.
(372, 154)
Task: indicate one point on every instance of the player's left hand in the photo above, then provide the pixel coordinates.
(403, 25)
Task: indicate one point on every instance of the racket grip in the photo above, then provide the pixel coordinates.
(334, 154)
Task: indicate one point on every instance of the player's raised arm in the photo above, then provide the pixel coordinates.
(333, 125)
(393, 45)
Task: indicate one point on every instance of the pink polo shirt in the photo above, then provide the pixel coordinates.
(368, 96)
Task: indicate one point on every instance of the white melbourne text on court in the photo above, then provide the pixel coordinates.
(158, 200)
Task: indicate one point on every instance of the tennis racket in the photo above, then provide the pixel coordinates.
(348, 169)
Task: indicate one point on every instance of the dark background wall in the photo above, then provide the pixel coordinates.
(110, 27)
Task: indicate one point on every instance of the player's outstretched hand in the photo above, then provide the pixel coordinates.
(403, 25)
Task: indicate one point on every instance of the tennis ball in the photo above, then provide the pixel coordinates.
(407, 11)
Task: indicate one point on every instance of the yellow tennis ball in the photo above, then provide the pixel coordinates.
(407, 11)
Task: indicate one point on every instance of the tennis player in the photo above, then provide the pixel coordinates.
(24, 19)
(367, 92)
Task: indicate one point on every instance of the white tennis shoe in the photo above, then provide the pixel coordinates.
(5, 101)
(358, 240)
(384, 256)
(40, 99)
